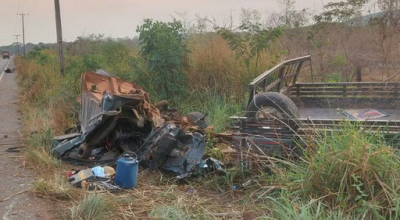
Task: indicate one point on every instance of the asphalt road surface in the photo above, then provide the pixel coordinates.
(15, 201)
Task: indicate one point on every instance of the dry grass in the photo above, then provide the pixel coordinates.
(226, 75)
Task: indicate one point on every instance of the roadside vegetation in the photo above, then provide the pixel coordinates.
(206, 67)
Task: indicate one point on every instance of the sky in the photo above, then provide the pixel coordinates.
(116, 18)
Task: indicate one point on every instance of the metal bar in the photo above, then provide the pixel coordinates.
(350, 84)
(267, 73)
(297, 72)
(280, 76)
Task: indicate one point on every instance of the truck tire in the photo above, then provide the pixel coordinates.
(272, 103)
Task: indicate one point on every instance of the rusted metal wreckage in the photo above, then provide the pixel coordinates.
(116, 117)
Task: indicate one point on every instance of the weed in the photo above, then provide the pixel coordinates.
(92, 207)
(40, 159)
(169, 213)
(347, 170)
(286, 208)
(58, 188)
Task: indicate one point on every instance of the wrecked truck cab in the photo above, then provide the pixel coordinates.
(116, 117)
(104, 96)
(110, 107)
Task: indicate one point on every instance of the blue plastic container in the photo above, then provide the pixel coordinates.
(127, 172)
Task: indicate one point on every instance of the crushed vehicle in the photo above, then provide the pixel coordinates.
(116, 117)
(282, 112)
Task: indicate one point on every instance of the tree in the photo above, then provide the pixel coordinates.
(340, 11)
(164, 48)
(249, 40)
(339, 15)
(290, 17)
(388, 23)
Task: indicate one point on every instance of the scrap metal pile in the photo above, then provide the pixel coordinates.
(116, 117)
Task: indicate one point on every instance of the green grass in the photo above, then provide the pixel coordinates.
(169, 213)
(217, 108)
(92, 207)
(57, 188)
(347, 171)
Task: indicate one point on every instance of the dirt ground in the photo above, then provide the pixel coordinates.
(15, 200)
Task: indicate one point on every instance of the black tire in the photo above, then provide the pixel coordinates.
(276, 100)
(197, 119)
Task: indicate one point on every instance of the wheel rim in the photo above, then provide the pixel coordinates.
(268, 112)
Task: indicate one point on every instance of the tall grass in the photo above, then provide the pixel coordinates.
(92, 207)
(347, 170)
(55, 188)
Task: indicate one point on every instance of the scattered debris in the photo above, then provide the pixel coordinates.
(101, 178)
(15, 194)
(364, 114)
(8, 70)
(13, 150)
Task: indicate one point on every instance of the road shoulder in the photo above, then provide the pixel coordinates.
(15, 179)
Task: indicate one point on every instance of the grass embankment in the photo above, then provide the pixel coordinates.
(346, 175)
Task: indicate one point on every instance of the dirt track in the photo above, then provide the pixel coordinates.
(15, 179)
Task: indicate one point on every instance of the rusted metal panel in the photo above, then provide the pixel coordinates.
(96, 88)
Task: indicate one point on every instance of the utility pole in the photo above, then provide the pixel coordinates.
(59, 35)
(23, 31)
(16, 36)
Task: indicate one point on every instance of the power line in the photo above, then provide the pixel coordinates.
(18, 6)
(15, 24)
(16, 36)
(33, 7)
(16, 18)
(23, 4)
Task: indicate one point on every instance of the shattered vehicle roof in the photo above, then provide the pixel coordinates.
(95, 85)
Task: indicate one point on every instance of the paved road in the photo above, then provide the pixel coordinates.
(3, 65)
(14, 177)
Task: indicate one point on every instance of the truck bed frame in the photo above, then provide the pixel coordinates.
(320, 106)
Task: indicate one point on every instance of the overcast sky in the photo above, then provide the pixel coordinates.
(115, 18)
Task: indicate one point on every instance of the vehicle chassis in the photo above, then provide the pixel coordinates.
(319, 106)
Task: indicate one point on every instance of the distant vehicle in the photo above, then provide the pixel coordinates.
(6, 54)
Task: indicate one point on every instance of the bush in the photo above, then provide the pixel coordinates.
(164, 48)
